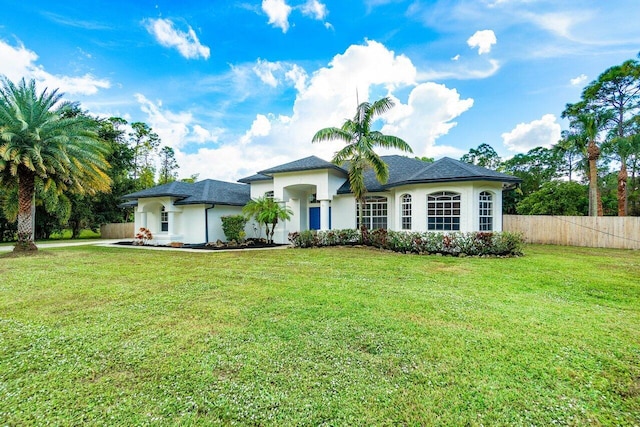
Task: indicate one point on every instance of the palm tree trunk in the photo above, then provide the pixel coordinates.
(595, 206)
(622, 189)
(26, 190)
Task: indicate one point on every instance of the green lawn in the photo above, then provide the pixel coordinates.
(338, 336)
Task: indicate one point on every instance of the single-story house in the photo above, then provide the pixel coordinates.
(446, 195)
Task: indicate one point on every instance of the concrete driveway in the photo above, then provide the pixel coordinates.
(9, 248)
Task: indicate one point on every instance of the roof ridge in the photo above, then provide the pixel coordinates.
(424, 169)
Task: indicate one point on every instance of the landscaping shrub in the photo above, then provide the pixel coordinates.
(233, 227)
(476, 243)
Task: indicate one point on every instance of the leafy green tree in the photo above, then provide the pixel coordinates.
(41, 145)
(556, 198)
(267, 211)
(484, 156)
(537, 166)
(144, 143)
(168, 166)
(426, 159)
(571, 151)
(360, 143)
(192, 179)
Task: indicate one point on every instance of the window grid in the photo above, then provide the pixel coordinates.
(164, 220)
(486, 211)
(406, 212)
(443, 211)
(374, 212)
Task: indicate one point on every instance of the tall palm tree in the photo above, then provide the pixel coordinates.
(360, 143)
(589, 123)
(44, 141)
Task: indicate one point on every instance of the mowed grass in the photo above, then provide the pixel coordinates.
(334, 336)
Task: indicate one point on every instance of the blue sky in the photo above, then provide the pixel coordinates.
(236, 87)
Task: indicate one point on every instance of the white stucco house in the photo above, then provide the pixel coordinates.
(447, 195)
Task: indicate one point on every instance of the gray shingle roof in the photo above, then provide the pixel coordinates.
(208, 191)
(254, 178)
(405, 170)
(308, 163)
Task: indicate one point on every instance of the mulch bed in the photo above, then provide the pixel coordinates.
(204, 247)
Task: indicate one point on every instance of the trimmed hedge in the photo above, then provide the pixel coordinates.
(233, 227)
(475, 243)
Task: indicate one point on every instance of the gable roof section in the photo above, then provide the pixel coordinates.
(308, 163)
(405, 170)
(172, 189)
(208, 191)
(254, 178)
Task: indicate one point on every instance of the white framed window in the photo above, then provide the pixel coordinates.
(164, 220)
(268, 194)
(485, 213)
(406, 212)
(443, 211)
(375, 212)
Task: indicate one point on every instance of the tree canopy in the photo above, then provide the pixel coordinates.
(44, 144)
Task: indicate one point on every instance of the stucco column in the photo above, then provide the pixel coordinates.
(143, 219)
(171, 218)
(324, 214)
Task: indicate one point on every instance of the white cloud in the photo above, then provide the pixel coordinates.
(559, 23)
(278, 12)
(460, 72)
(578, 80)
(538, 133)
(428, 115)
(298, 76)
(315, 9)
(456, 58)
(265, 69)
(261, 126)
(483, 40)
(324, 98)
(19, 62)
(168, 36)
(202, 135)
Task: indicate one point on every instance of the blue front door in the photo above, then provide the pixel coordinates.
(314, 218)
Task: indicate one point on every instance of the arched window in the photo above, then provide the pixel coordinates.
(486, 211)
(164, 220)
(443, 211)
(375, 212)
(406, 211)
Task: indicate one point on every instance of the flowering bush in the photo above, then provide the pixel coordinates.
(143, 236)
(475, 243)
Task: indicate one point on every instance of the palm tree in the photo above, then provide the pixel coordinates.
(45, 142)
(589, 123)
(360, 142)
(267, 211)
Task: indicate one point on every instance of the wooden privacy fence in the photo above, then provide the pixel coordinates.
(123, 230)
(594, 232)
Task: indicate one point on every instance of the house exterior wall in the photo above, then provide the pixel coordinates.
(186, 223)
(148, 215)
(215, 223)
(295, 189)
(259, 188)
